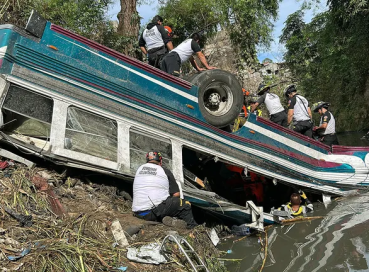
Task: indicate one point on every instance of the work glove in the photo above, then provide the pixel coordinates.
(302, 194)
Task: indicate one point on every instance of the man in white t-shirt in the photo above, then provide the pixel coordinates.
(172, 62)
(156, 193)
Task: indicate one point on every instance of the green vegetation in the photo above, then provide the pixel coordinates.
(249, 23)
(85, 17)
(328, 58)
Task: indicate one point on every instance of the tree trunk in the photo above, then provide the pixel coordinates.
(129, 22)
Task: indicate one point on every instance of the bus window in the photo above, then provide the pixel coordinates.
(143, 142)
(91, 134)
(27, 113)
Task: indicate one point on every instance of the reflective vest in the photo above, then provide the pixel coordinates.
(258, 112)
(300, 212)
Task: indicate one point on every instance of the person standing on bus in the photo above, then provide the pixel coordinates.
(327, 126)
(299, 112)
(153, 41)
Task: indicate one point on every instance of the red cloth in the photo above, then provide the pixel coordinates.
(3, 165)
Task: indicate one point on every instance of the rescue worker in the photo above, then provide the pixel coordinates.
(169, 31)
(273, 104)
(327, 127)
(172, 62)
(156, 195)
(298, 112)
(155, 38)
(241, 118)
(253, 100)
(295, 207)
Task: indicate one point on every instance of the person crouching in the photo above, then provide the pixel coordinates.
(156, 193)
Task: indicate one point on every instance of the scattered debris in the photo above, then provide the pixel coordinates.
(149, 254)
(174, 222)
(192, 258)
(22, 254)
(9, 241)
(81, 238)
(326, 199)
(118, 234)
(300, 219)
(214, 237)
(3, 165)
(2, 231)
(24, 220)
(241, 230)
(14, 157)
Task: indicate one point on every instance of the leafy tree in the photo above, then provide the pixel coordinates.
(327, 57)
(85, 17)
(267, 60)
(248, 22)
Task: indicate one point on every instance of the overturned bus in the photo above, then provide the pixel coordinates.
(78, 103)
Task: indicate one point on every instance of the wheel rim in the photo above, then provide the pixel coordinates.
(218, 99)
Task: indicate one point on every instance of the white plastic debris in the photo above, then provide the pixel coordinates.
(326, 199)
(149, 254)
(9, 241)
(214, 237)
(118, 233)
(245, 171)
(275, 181)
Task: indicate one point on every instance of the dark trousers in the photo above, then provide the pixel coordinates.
(304, 127)
(330, 139)
(156, 56)
(171, 64)
(174, 207)
(279, 118)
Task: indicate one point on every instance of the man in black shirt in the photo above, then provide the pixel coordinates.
(155, 38)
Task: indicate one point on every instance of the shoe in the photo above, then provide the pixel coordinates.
(174, 222)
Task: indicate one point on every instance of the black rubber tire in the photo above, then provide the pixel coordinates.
(225, 84)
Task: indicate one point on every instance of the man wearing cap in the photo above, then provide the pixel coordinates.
(327, 127)
(273, 104)
(155, 38)
(156, 195)
(298, 112)
(172, 62)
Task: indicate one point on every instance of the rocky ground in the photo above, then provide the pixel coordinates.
(52, 221)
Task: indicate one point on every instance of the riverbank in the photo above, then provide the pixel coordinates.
(63, 223)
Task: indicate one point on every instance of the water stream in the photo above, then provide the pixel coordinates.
(338, 242)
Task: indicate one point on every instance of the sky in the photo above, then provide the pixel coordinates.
(286, 7)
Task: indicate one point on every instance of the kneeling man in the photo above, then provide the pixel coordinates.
(156, 193)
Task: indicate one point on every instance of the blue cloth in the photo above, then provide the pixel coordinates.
(143, 213)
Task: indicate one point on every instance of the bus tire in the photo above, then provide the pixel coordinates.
(220, 96)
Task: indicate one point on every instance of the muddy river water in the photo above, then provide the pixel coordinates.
(338, 242)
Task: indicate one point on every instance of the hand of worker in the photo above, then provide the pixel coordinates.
(315, 128)
(200, 69)
(302, 194)
(212, 68)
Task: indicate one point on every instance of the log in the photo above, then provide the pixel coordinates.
(300, 219)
